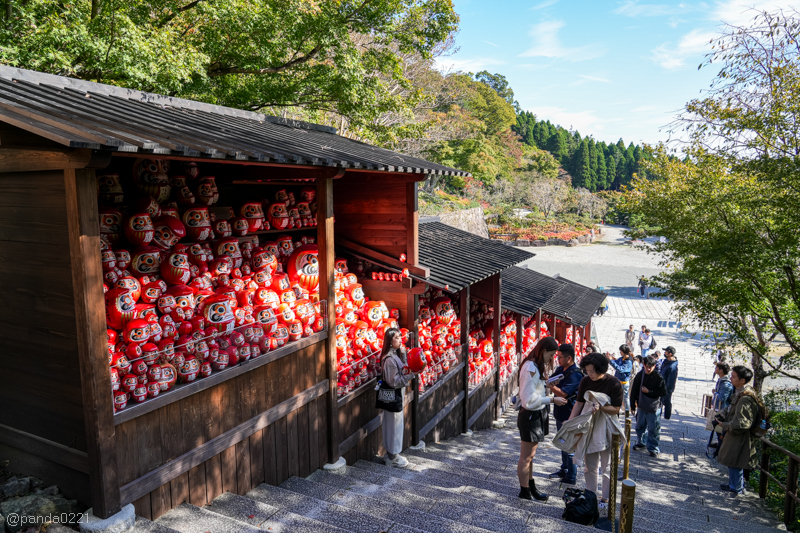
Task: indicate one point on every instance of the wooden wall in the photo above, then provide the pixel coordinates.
(41, 392)
(477, 400)
(430, 406)
(291, 446)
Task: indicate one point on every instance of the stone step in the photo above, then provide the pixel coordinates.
(260, 514)
(402, 508)
(315, 507)
(187, 518)
(143, 525)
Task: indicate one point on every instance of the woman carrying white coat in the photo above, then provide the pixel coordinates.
(533, 418)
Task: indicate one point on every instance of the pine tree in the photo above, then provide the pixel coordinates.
(611, 170)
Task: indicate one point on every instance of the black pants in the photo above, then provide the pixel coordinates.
(666, 401)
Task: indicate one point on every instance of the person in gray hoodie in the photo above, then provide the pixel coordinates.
(669, 371)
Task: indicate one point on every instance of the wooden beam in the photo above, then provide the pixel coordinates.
(90, 324)
(25, 160)
(497, 304)
(489, 401)
(464, 317)
(327, 256)
(520, 332)
(441, 414)
(251, 175)
(538, 324)
(392, 286)
(53, 451)
(347, 444)
(379, 257)
(172, 469)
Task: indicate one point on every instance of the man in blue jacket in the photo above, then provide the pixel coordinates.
(669, 371)
(567, 388)
(623, 367)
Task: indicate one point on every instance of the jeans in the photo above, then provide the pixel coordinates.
(626, 390)
(736, 479)
(644, 352)
(568, 467)
(648, 428)
(667, 403)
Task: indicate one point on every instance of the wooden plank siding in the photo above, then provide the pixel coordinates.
(41, 393)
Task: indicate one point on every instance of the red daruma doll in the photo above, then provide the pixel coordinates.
(395, 376)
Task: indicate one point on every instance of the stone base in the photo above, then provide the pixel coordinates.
(338, 465)
(118, 523)
(467, 434)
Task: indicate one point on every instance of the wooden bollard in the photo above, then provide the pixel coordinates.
(626, 506)
(627, 465)
(612, 492)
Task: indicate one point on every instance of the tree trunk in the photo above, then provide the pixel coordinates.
(759, 373)
(9, 10)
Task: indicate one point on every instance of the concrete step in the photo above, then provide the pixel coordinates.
(315, 507)
(187, 518)
(402, 508)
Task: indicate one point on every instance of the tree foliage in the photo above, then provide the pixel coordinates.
(343, 56)
(730, 211)
(596, 166)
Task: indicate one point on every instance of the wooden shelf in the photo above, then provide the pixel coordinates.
(275, 231)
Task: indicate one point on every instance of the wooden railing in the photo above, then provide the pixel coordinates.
(790, 488)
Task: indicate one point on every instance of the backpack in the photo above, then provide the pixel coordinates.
(580, 507)
(653, 343)
(761, 422)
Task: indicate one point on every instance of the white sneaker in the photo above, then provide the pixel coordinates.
(398, 461)
(601, 505)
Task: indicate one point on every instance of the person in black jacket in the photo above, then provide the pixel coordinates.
(646, 392)
(669, 371)
(566, 388)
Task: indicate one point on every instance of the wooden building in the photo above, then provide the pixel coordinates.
(275, 416)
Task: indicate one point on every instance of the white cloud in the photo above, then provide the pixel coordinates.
(491, 43)
(594, 78)
(694, 43)
(546, 3)
(473, 64)
(547, 44)
(741, 12)
(632, 8)
(583, 121)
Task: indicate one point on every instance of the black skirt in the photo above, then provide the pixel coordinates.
(533, 425)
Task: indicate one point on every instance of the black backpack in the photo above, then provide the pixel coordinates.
(581, 507)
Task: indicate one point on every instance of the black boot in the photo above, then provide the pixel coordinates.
(540, 496)
(525, 493)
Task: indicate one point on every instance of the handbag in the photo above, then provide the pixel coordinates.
(389, 399)
(580, 507)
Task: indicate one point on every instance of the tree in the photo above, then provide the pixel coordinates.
(731, 213)
(343, 57)
(499, 83)
(548, 195)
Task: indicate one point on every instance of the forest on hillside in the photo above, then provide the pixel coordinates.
(597, 166)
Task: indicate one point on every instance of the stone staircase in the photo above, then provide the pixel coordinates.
(469, 485)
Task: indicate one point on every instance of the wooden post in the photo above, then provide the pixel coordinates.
(496, 303)
(464, 304)
(627, 465)
(327, 256)
(520, 331)
(627, 503)
(791, 490)
(412, 258)
(612, 493)
(538, 324)
(90, 322)
(763, 480)
(415, 426)
(574, 336)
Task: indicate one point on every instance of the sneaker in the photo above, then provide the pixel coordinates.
(639, 446)
(654, 455)
(725, 488)
(399, 461)
(556, 475)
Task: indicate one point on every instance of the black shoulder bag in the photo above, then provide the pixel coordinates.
(387, 398)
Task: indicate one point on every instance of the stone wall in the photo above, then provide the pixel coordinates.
(470, 220)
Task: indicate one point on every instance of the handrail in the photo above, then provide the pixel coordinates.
(791, 498)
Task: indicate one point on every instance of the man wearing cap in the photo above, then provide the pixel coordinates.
(567, 388)
(669, 371)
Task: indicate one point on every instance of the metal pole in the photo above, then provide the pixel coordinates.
(612, 493)
(626, 468)
(626, 506)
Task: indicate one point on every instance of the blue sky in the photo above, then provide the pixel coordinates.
(609, 69)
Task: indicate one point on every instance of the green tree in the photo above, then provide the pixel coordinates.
(731, 216)
(344, 57)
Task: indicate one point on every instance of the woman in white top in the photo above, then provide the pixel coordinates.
(533, 414)
(645, 342)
